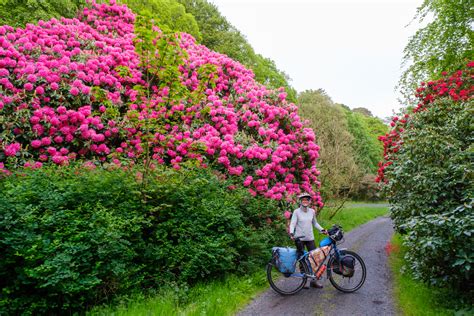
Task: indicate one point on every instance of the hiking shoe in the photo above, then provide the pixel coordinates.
(316, 284)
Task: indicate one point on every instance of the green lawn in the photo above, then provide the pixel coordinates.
(225, 297)
(414, 297)
(349, 217)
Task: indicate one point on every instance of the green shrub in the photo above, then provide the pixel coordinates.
(431, 193)
(71, 238)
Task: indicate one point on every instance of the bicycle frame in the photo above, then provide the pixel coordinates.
(333, 252)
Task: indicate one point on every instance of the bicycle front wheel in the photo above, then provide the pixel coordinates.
(287, 284)
(345, 283)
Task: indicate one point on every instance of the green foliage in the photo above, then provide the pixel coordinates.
(66, 238)
(417, 298)
(366, 146)
(350, 149)
(337, 161)
(71, 237)
(444, 44)
(431, 191)
(20, 12)
(267, 73)
(169, 15)
(219, 35)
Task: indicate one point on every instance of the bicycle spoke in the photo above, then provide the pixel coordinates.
(346, 283)
(286, 283)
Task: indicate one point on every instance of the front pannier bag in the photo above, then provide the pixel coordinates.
(348, 263)
(285, 259)
(346, 267)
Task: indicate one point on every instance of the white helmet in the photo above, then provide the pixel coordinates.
(304, 195)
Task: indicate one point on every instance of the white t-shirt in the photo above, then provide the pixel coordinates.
(302, 223)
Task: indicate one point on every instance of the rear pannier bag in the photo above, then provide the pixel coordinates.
(285, 259)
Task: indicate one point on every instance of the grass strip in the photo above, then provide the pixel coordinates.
(413, 297)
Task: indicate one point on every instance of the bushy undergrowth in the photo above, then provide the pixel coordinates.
(428, 170)
(72, 237)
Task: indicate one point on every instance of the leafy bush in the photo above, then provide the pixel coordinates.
(72, 237)
(428, 175)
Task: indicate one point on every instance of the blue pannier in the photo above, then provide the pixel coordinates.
(285, 259)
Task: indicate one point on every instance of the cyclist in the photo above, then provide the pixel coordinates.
(302, 222)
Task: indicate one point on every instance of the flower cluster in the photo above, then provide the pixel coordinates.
(68, 90)
(458, 86)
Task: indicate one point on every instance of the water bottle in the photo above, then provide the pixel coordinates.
(320, 271)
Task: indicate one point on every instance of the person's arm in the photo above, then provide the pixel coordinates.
(316, 224)
(294, 219)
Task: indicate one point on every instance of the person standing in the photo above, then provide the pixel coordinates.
(301, 226)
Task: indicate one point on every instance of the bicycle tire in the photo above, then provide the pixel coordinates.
(277, 282)
(333, 277)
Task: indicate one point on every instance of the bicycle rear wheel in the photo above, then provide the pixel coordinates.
(344, 283)
(287, 284)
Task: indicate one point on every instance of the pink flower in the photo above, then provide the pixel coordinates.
(39, 90)
(31, 78)
(28, 86)
(36, 143)
(12, 149)
(74, 91)
(45, 141)
(58, 159)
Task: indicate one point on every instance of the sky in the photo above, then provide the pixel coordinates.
(351, 49)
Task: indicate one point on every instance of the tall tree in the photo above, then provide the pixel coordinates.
(444, 44)
(366, 146)
(219, 35)
(340, 173)
(169, 15)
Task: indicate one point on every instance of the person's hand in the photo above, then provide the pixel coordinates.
(325, 232)
(292, 237)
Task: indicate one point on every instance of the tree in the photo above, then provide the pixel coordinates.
(20, 12)
(365, 145)
(444, 44)
(221, 36)
(169, 15)
(363, 111)
(337, 161)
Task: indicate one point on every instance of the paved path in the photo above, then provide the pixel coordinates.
(374, 298)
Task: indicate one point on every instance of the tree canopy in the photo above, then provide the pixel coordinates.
(444, 44)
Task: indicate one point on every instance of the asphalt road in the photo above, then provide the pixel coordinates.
(374, 298)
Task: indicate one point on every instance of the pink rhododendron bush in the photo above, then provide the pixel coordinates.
(100, 88)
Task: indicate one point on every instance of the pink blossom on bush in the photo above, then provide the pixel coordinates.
(239, 127)
(12, 149)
